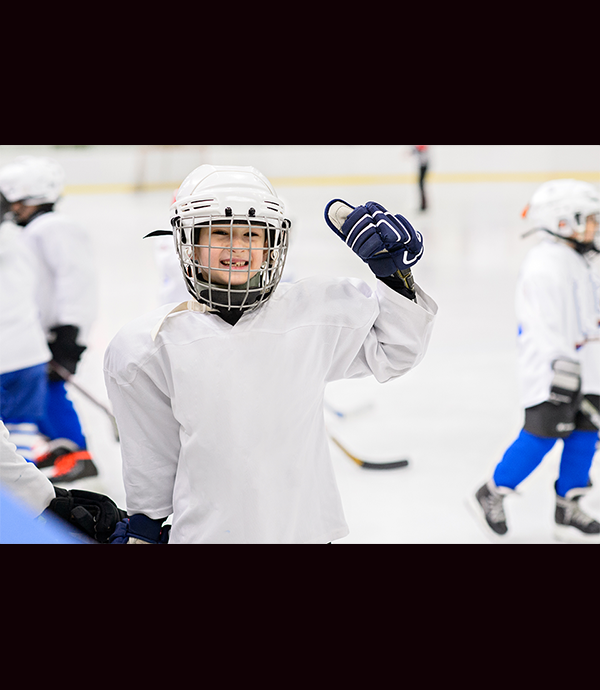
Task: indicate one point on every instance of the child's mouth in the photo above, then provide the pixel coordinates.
(234, 265)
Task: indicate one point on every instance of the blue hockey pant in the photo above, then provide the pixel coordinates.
(528, 451)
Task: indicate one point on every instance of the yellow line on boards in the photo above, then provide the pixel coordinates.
(588, 176)
(433, 177)
(357, 180)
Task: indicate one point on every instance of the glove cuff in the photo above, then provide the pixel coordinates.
(400, 286)
(146, 529)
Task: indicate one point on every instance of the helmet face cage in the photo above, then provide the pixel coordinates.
(4, 207)
(251, 249)
(596, 238)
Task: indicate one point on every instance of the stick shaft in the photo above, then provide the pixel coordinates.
(370, 465)
(590, 412)
(66, 376)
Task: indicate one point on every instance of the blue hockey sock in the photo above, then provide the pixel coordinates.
(577, 457)
(23, 395)
(61, 420)
(519, 461)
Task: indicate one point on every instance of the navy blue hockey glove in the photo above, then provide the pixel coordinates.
(388, 244)
(140, 528)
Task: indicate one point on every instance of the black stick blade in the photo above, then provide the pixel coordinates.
(397, 464)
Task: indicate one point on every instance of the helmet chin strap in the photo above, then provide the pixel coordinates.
(586, 248)
(580, 247)
(577, 237)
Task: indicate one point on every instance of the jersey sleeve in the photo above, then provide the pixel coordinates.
(22, 479)
(393, 341)
(69, 254)
(149, 433)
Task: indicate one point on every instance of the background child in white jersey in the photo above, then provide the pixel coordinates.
(24, 352)
(558, 310)
(60, 254)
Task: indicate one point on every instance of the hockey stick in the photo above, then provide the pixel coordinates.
(395, 464)
(343, 415)
(66, 376)
(590, 412)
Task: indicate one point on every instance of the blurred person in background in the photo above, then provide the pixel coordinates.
(24, 352)
(172, 285)
(421, 151)
(61, 255)
(558, 312)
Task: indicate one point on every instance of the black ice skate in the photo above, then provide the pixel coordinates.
(489, 504)
(68, 462)
(572, 524)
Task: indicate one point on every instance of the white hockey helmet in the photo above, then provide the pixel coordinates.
(217, 196)
(33, 181)
(561, 207)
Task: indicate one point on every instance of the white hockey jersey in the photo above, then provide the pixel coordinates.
(558, 313)
(223, 427)
(22, 339)
(21, 478)
(66, 273)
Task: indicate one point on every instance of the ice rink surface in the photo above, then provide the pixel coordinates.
(452, 417)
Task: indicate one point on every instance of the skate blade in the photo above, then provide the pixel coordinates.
(571, 535)
(477, 514)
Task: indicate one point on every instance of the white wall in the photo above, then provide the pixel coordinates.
(125, 166)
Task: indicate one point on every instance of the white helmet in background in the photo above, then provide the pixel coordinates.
(32, 181)
(561, 207)
(224, 197)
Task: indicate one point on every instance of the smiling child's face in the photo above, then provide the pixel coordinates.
(227, 251)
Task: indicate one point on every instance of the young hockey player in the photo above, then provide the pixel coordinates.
(558, 310)
(66, 296)
(219, 400)
(24, 352)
